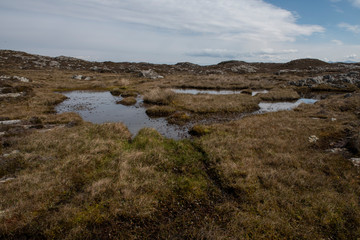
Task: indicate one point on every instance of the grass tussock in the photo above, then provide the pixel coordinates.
(160, 111)
(159, 96)
(206, 103)
(128, 101)
(280, 94)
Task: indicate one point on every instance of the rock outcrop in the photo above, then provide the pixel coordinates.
(339, 81)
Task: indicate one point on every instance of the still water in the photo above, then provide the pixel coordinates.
(101, 107)
(281, 106)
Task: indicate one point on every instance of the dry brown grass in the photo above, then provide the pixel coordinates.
(255, 178)
(280, 94)
(160, 111)
(159, 96)
(283, 183)
(242, 81)
(128, 101)
(206, 103)
(88, 181)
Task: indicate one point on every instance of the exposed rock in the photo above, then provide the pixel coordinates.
(150, 74)
(77, 77)
(14, 78)
(12, 95)
(355, 161)
(81, 77)
(10, 122)
(54, 64)
(284, 71)
(243, 69)
(335, 81)
(313, 139)
(6, 179)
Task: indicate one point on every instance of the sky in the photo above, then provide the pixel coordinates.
(171, 31)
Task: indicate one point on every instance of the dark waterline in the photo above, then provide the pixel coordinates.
(101, 107)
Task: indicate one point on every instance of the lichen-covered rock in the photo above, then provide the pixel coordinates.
(150, 74)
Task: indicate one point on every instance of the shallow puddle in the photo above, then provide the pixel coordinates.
(101, 107)
(281, 106)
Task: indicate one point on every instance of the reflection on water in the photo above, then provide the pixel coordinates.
(280, 106)
(101, 107)
(199, 91)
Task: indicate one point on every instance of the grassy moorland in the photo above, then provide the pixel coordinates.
(283, 175)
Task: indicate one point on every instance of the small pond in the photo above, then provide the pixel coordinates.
(280, 106)
(101, 107)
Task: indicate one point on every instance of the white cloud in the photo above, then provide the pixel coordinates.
(349, 27)
(337, 42)
(351, 57)
(269, 53)
(231, 19)
(356, 3)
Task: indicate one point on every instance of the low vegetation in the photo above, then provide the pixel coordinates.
(128, 101)
(283, 175)
(159, 96)
(206, 103)
(160, 111)
(279, 94)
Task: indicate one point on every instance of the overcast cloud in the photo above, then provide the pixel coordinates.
(157, 30)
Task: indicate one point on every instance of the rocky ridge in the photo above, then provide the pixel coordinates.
(22, 60)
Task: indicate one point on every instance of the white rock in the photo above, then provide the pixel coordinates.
(21, 79)
(10, 122)
(11, 95)
(4, 180)
(313, 139)
(150, 74)
(355, 161)
(55, 64)
(4, 77)
(77, 77)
